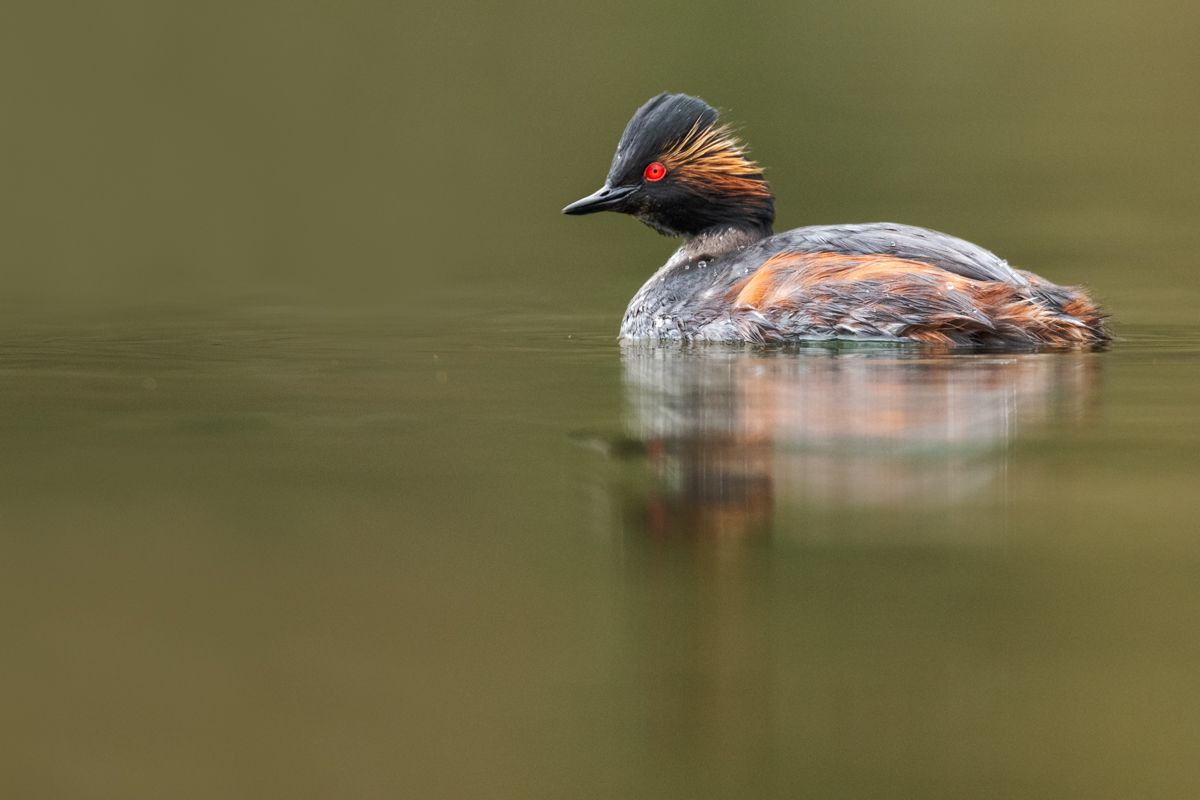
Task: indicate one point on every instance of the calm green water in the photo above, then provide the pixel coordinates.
(322, 475)
(265, 552)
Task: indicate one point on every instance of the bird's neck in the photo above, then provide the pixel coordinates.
(717, 241)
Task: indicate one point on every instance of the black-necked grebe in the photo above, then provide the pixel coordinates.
(681, 172)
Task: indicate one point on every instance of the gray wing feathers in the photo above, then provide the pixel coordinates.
(903, 241)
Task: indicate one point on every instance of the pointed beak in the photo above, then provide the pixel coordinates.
(608, 198)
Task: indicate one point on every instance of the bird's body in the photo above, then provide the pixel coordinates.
(732, 280)
(877, 281)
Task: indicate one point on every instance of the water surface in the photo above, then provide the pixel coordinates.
(325, 554)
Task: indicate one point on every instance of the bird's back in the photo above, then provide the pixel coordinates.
(907, 242)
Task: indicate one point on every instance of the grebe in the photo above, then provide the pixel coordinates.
(681, 172)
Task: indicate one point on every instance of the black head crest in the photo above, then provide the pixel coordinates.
(662, 123)
(681, 172)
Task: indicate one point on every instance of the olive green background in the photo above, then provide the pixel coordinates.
(374, 152)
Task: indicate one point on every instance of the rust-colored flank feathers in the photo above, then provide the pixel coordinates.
(712, 158)
(877, 294)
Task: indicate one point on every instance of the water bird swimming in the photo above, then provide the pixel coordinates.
(681, 171)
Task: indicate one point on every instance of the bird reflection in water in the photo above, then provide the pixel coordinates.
(733, 434)
(742, 664)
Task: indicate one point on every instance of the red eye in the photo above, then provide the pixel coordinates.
(655, 171)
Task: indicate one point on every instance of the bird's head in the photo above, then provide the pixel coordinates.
(681, 172)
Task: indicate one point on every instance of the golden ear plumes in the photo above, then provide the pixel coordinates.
(714, 159)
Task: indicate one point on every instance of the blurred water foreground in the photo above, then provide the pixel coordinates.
(340, 553)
